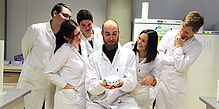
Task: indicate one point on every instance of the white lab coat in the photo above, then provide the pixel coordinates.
(97, 40)
(38, 46)
(173, 84)
(68, 66)
(141, 93)
(99, 67)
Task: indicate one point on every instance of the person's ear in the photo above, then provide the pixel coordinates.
(196, 32)
(65, 38)
(102, 33)
(55, 13)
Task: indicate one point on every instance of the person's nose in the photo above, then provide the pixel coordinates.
(183, 34)
(139, 41)
(111, 37)
(67, 18)
(80, 35)
(86, 27)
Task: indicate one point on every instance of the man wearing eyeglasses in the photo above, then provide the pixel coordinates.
(38, 45)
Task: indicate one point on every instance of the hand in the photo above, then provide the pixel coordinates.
(104, 85)
(147, 80)
(178, 40)
(68, 86)
(114, 86)
(120, 83)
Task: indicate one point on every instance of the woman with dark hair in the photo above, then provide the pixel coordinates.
(67, 68)
(145, 49)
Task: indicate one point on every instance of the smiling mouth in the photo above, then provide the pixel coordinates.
(110, 42)
(87, 30)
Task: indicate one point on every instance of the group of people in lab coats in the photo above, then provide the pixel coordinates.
(66, 62)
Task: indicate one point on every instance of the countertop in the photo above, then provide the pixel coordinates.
(11, 96)
(12, 68)
(210, 102)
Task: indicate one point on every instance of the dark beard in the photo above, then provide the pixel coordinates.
(110, 47)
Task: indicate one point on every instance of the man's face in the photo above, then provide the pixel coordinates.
(110, 35)
(65, 14)
(86, 26)
(186, 32)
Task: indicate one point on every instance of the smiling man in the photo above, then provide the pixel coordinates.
(179, 50)
(111, 60)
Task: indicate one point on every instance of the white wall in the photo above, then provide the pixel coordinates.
(22, 13)
(204, 73)
(177, 9)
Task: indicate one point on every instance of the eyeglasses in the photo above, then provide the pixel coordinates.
(79, 34)
(66, 15)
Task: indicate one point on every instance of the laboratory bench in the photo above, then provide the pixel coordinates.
(13, 99)
(211, 102)
(11, 74)
(14, 69)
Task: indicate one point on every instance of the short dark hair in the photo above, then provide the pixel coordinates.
(193, 19)
(151, 47)
(67, 29)
(58, 7)
(84, 14)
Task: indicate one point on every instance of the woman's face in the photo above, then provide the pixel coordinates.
(77, 39)
(142, 41)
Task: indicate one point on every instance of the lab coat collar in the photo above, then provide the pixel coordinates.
(82, 56)
(191, 39)
(95, 36)
(117, 50)
(49, 29)
(137, 58)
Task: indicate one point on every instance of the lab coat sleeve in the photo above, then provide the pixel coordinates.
(130, 78)
(92, 81)
(156, 71)
(162, 47)
(27, 41)
(129, 45)
(54, 65)
(183, 61)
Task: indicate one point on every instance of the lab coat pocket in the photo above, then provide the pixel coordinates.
(178, 81)
(30, 74)
(141, 92)
(72, 96)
